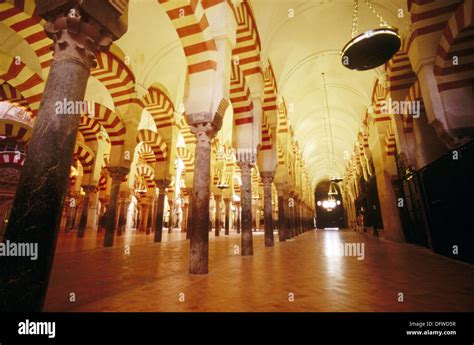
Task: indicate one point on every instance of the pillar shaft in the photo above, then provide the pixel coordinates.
(37, 208)
(160, 209)
(282, 222)
(227, 216)
(85, 211)
(117, 174)
(189, 220)
(267, 178)
(246, 203)
(238, 222)
(199, 237)
(217, 199)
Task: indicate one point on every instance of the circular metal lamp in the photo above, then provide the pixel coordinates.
(372, 48)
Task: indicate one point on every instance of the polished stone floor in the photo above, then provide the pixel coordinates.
(298, 275)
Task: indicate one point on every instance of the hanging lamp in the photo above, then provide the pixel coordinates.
(372, 48)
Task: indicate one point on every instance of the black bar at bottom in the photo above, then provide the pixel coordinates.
(226, 328)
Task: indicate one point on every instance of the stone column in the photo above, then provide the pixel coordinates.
(289, 219)
(238, 210)
(227, 215)
(199, 237)
(92, 218)
(122, 213)
(88, 190)
(149, 215)
(36, 211)
(162, 185)
(282, 223)
(184, 223)
(267, 178)
(218, 199)
(189, 220)
(171, 213)
(246, 202)
(117, 174)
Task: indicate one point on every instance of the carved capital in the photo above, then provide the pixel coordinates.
(248, 156)
(245, 167)
(267, 178)
(118, 174)
(88, 189)
(77, 36)
(204, 132)
(162, 184)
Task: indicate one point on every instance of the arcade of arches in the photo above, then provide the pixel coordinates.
(185, 146)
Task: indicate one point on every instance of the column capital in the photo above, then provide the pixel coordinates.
(246, 156)
(267, 177)
(204, 132)
(88, 189)
(81, 30)
(118, 173)
(162, 184)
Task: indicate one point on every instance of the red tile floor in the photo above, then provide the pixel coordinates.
(292, 276)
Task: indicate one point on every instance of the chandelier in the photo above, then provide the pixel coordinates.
(372, 48)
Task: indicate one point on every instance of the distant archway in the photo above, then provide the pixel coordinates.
(334, 218)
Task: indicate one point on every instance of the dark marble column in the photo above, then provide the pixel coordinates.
(189, 220)
(122, 213)
(297, 216)
(282, 222)
(199, 240)
(217, 228)
(162, 185)
(88, 190)
(227, 216)
(267, 178)
(148, 214)
(171, 214)
(117, 174)
(238, 213)
(184, 222)
(289, 216)
(246, 165)
(36, 212)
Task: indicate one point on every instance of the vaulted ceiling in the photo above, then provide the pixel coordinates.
(300, 48)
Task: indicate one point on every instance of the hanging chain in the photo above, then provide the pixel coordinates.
(383, 23)
(355, 18)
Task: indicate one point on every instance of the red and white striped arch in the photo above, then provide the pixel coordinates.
(112, 124)
(187, 157)
(379, 95)
(282, 118)
(189, 19)
(414, 94)
(117, 78)
(11, 158)
(16, 130)
(160, 106)
(147, 172)
(156, 143)
(248, 46)
(28, 83)
(189, 138)
(390, 141)
(429, 16)
(400, 74)
(146, 154)
(85, 155)
(21, 17)
(270, 90)
(457, 41)
(10, 94)
(266, 135)
(240, 97)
